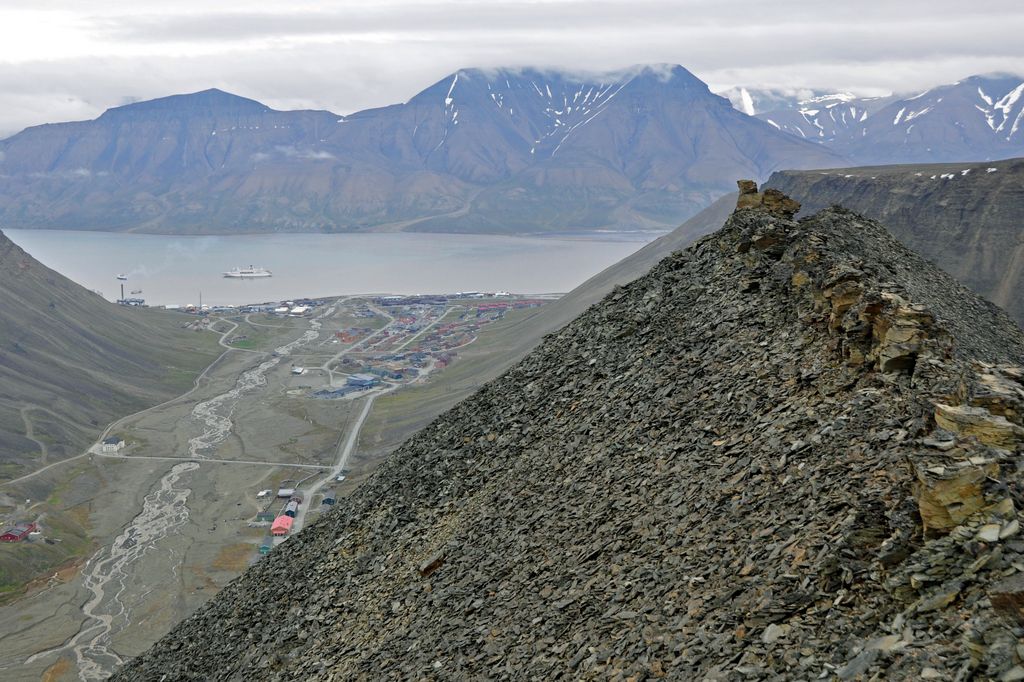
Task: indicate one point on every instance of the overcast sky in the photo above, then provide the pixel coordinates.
(71, 59)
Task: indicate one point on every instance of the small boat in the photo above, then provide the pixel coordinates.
(123, 278)
(246, 273)
(136, 291)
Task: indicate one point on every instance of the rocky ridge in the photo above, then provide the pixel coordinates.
(788, 452)
(966, 217)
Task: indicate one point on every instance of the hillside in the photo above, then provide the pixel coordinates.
(721, 469)
(966, 217)
(512, 339)
(71, 362)
(497, 151)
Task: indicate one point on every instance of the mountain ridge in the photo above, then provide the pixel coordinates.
(656, 491)
(966, 217)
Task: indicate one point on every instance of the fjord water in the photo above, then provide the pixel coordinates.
(176, 269)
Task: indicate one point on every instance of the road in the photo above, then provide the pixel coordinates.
(346, 447)
(222, 340)
(326, 367)
(113, 571)
(110, 455)
(427, 328)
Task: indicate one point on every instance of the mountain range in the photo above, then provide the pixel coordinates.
(979, 118)
(481, 151)
(487, 151)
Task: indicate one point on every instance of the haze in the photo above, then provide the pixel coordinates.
(62, 60)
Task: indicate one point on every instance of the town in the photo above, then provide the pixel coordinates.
(365, 346)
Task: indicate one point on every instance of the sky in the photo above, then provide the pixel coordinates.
(72, 59)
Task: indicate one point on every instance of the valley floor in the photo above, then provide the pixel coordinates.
(174, 514)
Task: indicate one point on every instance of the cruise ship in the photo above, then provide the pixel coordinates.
(245, 273)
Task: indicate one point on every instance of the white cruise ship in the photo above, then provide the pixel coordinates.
(245, 273)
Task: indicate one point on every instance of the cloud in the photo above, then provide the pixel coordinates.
(305, 154)
(344, 59)
(73, 174)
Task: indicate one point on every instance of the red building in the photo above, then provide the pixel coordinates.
(18, 532)
(282, 524)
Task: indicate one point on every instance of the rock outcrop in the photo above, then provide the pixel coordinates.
(966, 217)
(746, 464)
(771, 200)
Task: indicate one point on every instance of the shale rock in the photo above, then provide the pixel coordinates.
(733, 468)
(771, 200)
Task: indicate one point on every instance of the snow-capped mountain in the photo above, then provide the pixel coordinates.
(753, 101)
(979, 118)
(503, 150)
(825, 118)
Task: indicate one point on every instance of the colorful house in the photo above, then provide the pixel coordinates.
(18, 532)
(282, 524)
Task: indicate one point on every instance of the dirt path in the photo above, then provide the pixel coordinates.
(115, 424)
(30, 430)
(346, 447)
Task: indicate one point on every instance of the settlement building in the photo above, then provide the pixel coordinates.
(282, 524)
(363, 380)
(18, 531)
(112, 444)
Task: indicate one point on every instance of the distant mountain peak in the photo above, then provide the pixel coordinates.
(209, 101)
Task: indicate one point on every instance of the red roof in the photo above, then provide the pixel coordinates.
(281, 526)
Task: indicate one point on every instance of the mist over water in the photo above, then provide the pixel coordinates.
(175, 269)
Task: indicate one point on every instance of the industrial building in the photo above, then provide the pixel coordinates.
(363, 380)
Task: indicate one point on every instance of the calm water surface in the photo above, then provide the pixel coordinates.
(176, 269)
